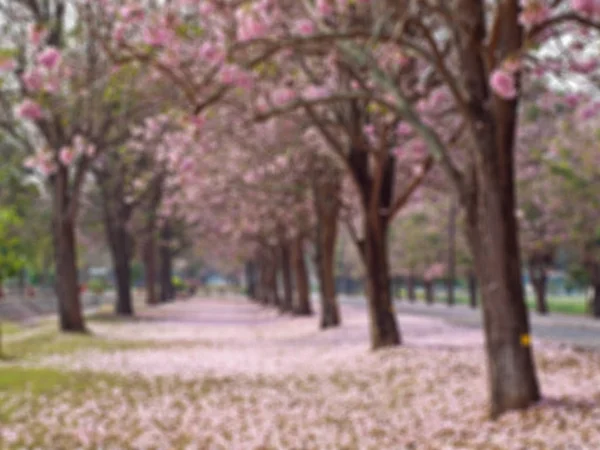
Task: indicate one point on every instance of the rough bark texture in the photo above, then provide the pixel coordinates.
(327, 205)
(116, 214)
(65, 255)
(302, 305)
(429, 292)
(167, 290)
(384, 330)
(120, 244)
(67, 285)
(286, 272)
(489, 201)
(539, 280)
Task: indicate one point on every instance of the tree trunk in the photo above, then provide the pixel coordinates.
(251, 281)
(472, 281)
(150, 269)
(121, 254)
(539, 281)
(303, 306)
(67, 285)
(429, 292)
(167, 290)
(410, 288)
(487, 190)
(327, 205)
(494, 240)
(384, 330)
(596, 301)
(286, 272)
(451, 276)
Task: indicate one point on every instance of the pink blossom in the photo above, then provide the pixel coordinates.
(304, 27)
(324, 7)
(404, 129)
(534, 12)
(28, 109)
(251, 28)
(586, 7)
(36, 34)
(157, 36)
(30, 163)
(283, 95)
(503, 84)
(66, 156)
(33, 80)
(49, 58)
(313, 92)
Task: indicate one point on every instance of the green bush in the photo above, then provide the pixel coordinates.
(97, 285)
(178, 283)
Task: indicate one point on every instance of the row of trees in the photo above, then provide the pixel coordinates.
(262, 124)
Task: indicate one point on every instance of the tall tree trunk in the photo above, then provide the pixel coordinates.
(327, 204)
(384, 330)
(65, 254)
(451, 275)
(286, 272)
(596, 301)
(149, 258)
(251, 281)
(410, 288)
(303, 306)
(167, 290)
(494, 241)
(472, 281)
(487, 192)
(429, 291)
(539, 281)
(67, 285)
(120, 245)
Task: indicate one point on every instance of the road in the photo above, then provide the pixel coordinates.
(576, 331)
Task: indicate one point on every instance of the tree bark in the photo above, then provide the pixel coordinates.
(451, 276)
(65, 255)
(596, 301)
(539, 281)
(384, 330)
(327, 205)
(285, 264)
(251, 280)
(120, 244)
(302, 306)
(67, 285)
(429, 292)
(167, 290)
(472, 281)
(488, 195)
(149, 258)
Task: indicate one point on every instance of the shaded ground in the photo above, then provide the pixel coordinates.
(226, 374)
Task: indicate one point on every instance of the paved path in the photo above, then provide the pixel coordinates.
(572, 330)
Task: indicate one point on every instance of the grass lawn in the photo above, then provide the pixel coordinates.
(562, 304)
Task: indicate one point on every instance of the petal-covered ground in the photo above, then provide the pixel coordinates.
(227, 374)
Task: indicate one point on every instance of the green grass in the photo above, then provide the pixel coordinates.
(9, 328)
(560, 304)
(44, 381)
(53, 342)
